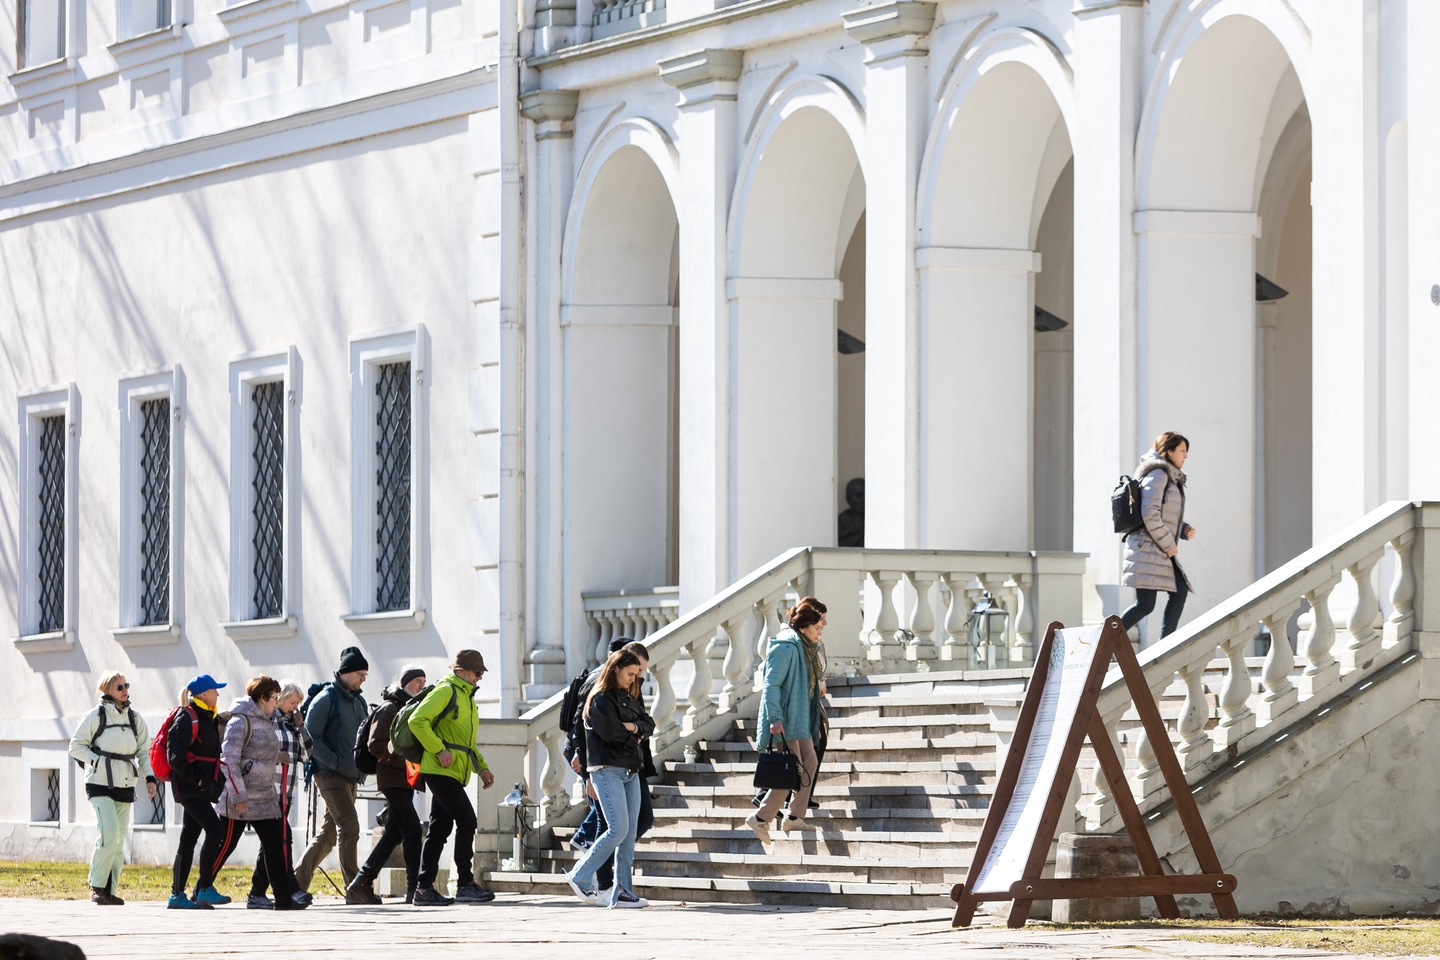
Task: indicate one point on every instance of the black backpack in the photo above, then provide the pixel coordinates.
(104, 721)
(365, 761)
(1125, 506)
(571, 701)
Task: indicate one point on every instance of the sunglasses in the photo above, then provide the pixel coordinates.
(122, 686)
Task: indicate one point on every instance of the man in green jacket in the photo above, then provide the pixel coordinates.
(445, 723)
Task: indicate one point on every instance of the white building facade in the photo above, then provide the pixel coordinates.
(431, 324)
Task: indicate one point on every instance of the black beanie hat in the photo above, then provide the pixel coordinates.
(351, 659)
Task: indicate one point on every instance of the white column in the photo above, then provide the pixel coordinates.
(1423, 131)
(977, 370)
(551, 111)
(1345, 196)
(895, 109)
(1108, 77)
(1197, 330)
(705, 130)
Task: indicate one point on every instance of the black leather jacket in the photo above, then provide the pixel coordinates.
(607, 742)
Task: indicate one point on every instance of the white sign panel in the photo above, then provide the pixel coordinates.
(1071, 655)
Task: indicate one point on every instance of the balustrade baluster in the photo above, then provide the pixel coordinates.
(1148, 777)
(1238, 718)
(552, 777)
(1102, 807)
(1364, 639)
(601, 649)
(922, 618)
(663, 709)
(956, 647)
(1022, 653)
(617, 629)
(1280, 694)
(1195, 744)
(1321, 667)
(887, 621)
(1402, 589)
(701, 708)
(736, 667)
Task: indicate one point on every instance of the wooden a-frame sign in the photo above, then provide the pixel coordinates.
(1057, 716)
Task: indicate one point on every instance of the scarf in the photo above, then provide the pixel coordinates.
(813, 665)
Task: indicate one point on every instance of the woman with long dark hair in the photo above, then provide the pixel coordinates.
(615, 723)
(790, 708)
(1151, 552)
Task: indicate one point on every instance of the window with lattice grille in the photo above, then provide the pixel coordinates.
(267, 509)
(51, 593)
(155, 511)
(392, 486)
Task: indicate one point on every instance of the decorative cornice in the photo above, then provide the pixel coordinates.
(1083, 9)
(887, 21)
(540, 105)
(701, 66)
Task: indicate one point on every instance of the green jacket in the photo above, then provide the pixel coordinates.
(438, 728)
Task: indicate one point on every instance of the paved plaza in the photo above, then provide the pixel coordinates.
(537, 928)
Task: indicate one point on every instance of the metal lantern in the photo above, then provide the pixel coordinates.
(517, 839)
(988, 630)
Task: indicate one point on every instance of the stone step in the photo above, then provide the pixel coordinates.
(816, 893)
(909, 797)
(823, 866)
(967, 723)
(863, 821)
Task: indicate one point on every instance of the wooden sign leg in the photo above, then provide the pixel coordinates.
(1114, 772)
(1184, 800)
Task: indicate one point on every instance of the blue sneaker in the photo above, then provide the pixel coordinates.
(178, 901)
(211, 896)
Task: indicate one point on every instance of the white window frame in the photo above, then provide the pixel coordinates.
(34, 406)
(246, 373)
(367, 353)
(135, 390)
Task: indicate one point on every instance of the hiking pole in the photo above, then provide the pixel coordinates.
(332, 881)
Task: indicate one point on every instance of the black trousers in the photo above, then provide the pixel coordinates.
(450, 809)
(273, 853)
(402, 827)
(605, 875)
(260, 879)
(200, 817)
(1145, 605)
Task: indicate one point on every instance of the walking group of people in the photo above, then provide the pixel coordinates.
(236, 769)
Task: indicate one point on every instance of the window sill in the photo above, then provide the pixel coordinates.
(148, 827)
(391, 621)
(154, 635)
(269, 628)
(57, 642)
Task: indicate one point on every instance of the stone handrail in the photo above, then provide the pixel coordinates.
(1343, 641)
(731, 631)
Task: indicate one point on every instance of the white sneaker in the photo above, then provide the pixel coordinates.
(625, 900)
(605, 898)
(759, 827)
(587, 895)
(796, 825)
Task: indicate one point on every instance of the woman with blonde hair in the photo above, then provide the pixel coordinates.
(112, 743)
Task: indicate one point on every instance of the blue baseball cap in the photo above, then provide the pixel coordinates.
(203, 683)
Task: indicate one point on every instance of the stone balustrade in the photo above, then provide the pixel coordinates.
(611, 17)
(1343, 642)
(626, 613)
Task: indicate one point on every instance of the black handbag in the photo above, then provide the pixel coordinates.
(777, 770)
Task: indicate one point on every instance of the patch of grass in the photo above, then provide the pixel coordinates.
(138, 881)
(1393, 941)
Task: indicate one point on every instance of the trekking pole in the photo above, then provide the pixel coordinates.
(332, 881)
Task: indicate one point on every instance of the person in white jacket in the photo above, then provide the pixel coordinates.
(112, 743)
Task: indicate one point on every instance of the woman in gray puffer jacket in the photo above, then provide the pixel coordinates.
(1150, 552)
(249, 752)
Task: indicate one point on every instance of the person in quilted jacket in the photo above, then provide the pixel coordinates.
(1152, 562)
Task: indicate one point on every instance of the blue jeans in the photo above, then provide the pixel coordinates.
(619, 793)
(591, 826)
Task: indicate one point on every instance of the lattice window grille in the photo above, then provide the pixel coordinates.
(51, 469)
(268, 484)
(155, 511)
(52, 796)
(157, 805)
(392, 482)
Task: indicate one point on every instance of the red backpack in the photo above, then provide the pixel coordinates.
(160, 746)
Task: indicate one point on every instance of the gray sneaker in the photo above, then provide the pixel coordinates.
(472, 893)
(430, 897)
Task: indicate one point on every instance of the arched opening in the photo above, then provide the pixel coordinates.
(621, 382)
(997, 296)
(1224, 314)
(798, 409)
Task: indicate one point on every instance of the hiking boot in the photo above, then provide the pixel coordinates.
(473, 893)
(430, 897)
(587, 895)
(361, 893)
(301, 899)
(178, 901)
(211, 896)
(103, 897)
(759, 827)
(258, 901)
(624, 900)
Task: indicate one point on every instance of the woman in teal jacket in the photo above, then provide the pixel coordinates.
(790, 709)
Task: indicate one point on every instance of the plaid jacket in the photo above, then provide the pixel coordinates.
(294, 751)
